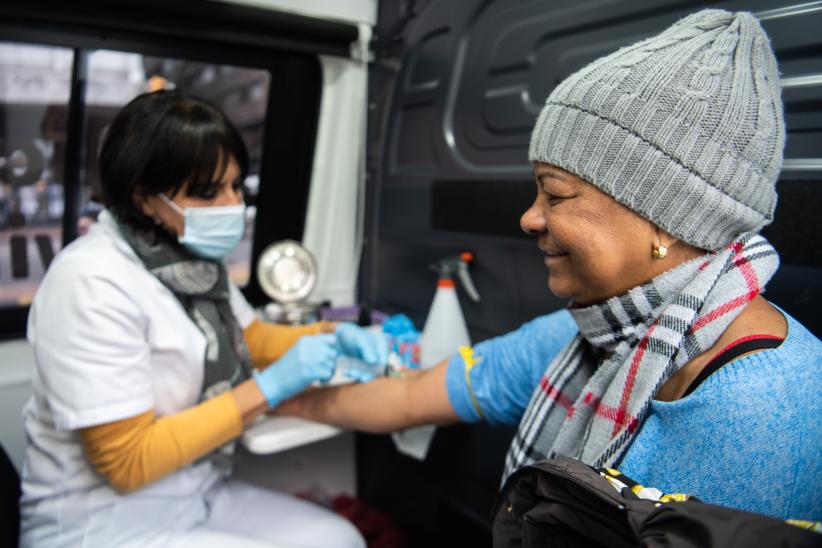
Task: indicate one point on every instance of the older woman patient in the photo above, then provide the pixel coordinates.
(655, 167)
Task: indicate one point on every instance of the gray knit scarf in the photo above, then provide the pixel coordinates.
(202, 288)
(595, 393)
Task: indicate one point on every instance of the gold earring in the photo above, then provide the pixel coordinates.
(659, 251)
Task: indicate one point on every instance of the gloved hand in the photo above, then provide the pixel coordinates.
(370, 347)
(354, 341)
(312, 358)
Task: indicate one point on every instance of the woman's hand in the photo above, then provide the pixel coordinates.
(312, 358)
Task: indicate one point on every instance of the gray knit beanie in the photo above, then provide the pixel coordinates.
(684, 128)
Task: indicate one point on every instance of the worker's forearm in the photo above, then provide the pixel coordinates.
(136, 451)
(250, 401)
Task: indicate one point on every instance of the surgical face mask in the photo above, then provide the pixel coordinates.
(210, 232)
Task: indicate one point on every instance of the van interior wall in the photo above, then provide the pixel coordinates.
(454, 91)
(333, 214)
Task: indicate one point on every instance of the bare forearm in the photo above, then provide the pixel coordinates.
(250, 401)
(379, 406)
(383, 405)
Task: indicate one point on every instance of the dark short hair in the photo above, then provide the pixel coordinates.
(158, 142)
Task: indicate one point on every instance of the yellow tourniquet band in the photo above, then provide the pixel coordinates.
(467, 354)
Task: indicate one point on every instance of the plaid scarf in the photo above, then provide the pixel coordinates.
(596, 392)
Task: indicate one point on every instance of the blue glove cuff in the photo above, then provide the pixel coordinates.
(271, 397)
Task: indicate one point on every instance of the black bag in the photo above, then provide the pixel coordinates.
(9, 501)
(563, 502)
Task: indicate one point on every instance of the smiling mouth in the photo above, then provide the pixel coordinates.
(552, 253)
(552, 256)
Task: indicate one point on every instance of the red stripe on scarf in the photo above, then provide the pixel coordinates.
(748, 273)
(611, 413)
(751, 281)
(622, 413)
(555, 394)
(721, 311)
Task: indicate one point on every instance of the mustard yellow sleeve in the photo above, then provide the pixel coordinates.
(134, 452)
(267, 342)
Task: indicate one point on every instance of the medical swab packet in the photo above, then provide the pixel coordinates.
(351, 369)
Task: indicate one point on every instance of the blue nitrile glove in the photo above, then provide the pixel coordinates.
(357, 370)
(370, 347)
(365, 345)
(312, 358)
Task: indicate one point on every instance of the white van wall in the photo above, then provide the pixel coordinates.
(17, 359)
(333, 221)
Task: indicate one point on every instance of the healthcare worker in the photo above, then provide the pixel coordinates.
(146, 354)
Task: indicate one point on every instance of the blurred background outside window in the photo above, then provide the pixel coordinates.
(35, 83)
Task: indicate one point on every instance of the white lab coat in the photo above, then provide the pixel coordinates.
(111, 342)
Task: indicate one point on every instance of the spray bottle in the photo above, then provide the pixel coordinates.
(444, 332)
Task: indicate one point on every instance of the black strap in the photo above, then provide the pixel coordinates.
(731, 354)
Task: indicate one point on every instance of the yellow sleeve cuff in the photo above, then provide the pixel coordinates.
(267, 342)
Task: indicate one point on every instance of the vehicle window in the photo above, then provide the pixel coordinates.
(35, 84)
(34, 92)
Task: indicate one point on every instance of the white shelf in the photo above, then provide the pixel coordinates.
(275, 434)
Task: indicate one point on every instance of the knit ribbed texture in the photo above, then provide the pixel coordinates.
(684, 128)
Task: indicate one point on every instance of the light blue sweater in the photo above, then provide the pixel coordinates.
(749, 437)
